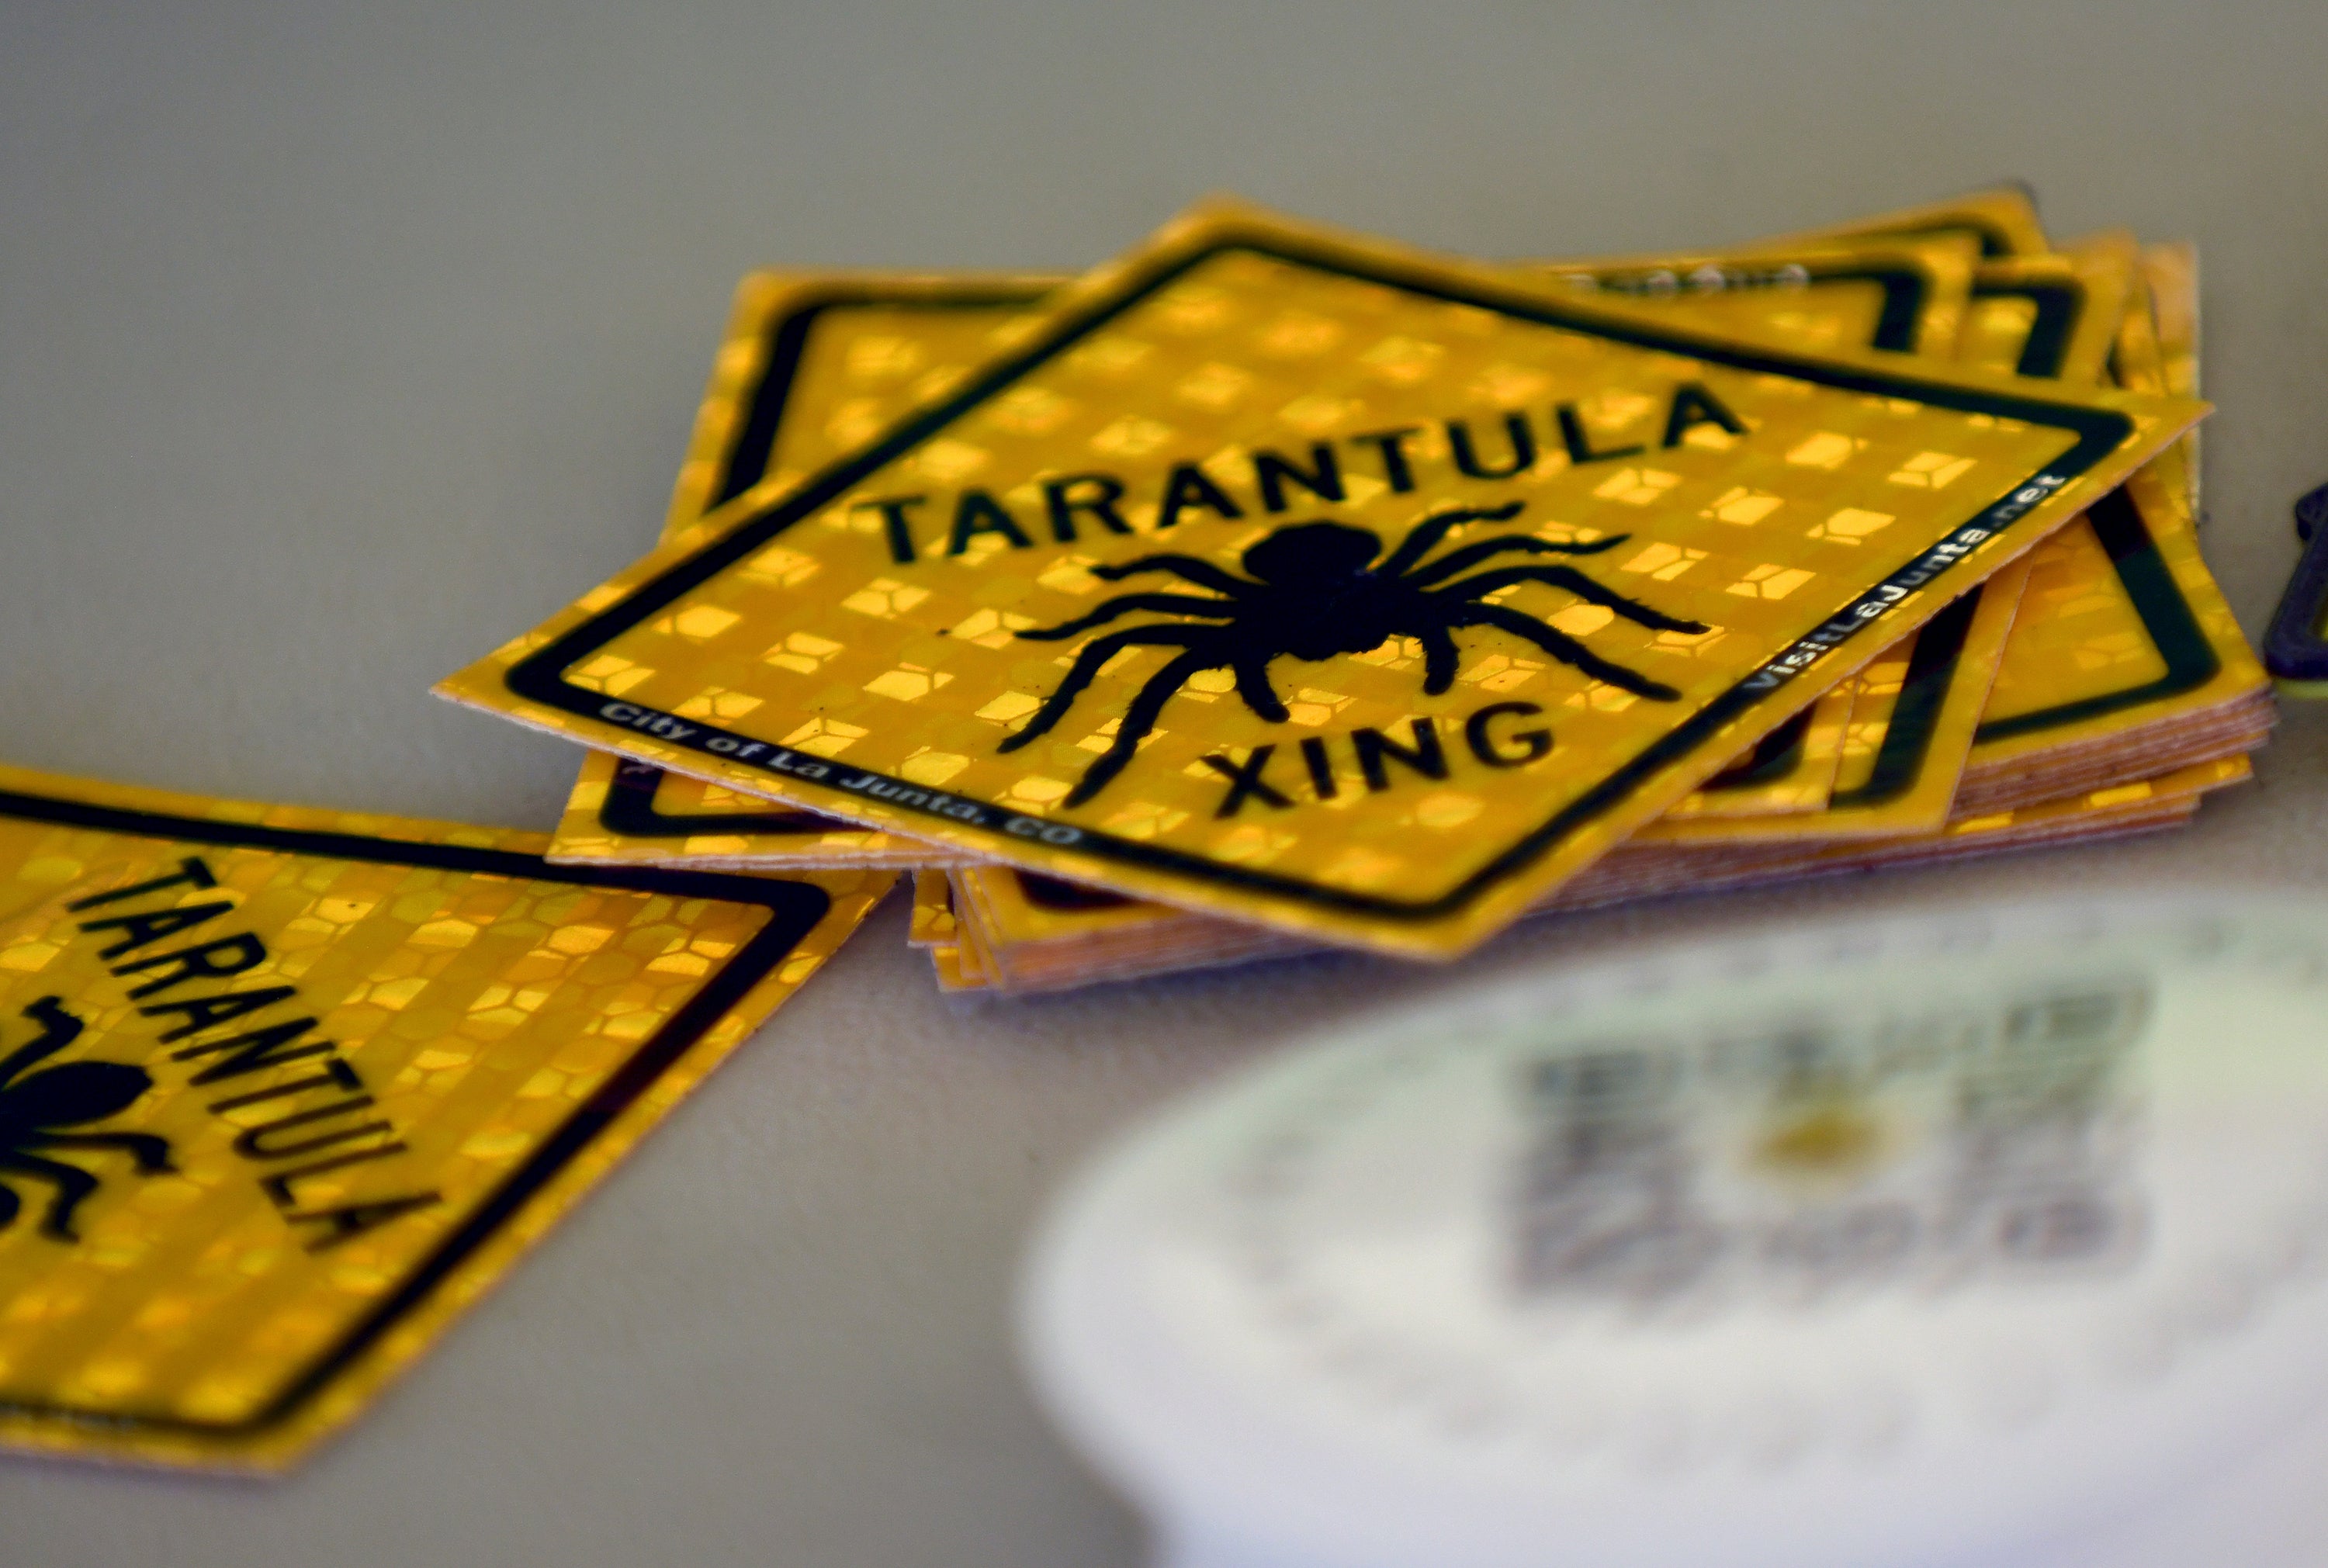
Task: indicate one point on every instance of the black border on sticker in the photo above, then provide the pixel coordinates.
(2157, 599)
(1905, 290)
(746, 462)
(794, 908)
(1995, 245)
(1916, 712)
(2191, 659)
(2096, 433)
(629, 809)
(2059, 306)
(1774, 756)
(1064, 898)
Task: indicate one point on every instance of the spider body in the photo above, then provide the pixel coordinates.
(36, 1106)
(1318, 594)
(1314, 591)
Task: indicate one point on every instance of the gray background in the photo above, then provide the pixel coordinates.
(338, 342)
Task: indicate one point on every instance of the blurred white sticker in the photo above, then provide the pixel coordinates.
(1900, 1244)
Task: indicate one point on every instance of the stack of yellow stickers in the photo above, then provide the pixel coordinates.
(1272, 588)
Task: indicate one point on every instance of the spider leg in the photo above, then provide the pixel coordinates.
(73, 1185)
(1439, 661)
(1188, 568)
(1253, 685)
(1125, 603)
(151, 1153)
(1565, 649)
(1138, 720)
(1432, 530)
(59, 1028)
(1575, 582)
(1471, 555)
(1086, 667)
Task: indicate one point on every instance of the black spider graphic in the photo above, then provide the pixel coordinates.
(33, 1104)
(1316, 596)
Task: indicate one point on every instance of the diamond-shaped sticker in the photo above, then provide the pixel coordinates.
(1274, 547)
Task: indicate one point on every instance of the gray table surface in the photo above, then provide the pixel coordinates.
(337, 341)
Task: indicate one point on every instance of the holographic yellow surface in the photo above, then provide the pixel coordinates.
(861, 349)
(956, 971)
(1009, 911)
(2171, 272)
(285, 1089)
(838, 354)
(2138, 363)
(1865, 802)
(2111, 647)
(1804, 787)
(627, 813)
(872, 345)
(1774, 811)
(2084, 641)
(1237, 377)
(2122, 625)
(1895, 779)
(933, 918)
(960, 959)
(2053, 316)
(1875, 692)
(1904, 294)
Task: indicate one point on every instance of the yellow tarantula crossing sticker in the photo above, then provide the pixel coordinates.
(1320, 583)
(810, 363)
(282, 1091)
